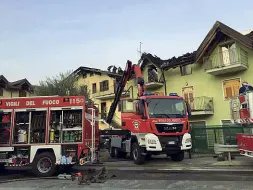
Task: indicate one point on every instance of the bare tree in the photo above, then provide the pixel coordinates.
(64, 84)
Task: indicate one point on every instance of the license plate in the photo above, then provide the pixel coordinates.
(171, 142)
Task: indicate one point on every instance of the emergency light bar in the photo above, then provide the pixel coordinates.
(173, 94)
(148, 93)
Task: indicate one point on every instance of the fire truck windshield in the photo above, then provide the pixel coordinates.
(166, 108)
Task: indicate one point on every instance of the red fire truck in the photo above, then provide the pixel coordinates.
(47, 131)
(151, 124)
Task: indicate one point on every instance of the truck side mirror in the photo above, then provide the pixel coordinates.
(188, 108)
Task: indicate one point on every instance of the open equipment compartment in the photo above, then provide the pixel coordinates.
(69, 154)
(5, 126)
(38, 127)
(65, 125)
(72, 125)
(21, 127)
(20, 156)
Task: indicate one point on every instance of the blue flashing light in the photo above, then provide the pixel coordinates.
(148, 93)
(173, 94)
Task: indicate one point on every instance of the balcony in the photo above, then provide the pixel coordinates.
(110, 93)
(228, 61)
(153, 81)
(202, 106)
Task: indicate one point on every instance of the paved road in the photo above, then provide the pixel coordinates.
(141, 180)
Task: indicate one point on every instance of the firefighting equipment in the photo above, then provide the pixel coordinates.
(51, 135)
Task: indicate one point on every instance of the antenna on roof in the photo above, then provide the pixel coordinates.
(139, 51)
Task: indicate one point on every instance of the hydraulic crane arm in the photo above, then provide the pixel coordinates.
(130, 70)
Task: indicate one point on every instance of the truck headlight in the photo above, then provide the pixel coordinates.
(189, 140)
(151, 141)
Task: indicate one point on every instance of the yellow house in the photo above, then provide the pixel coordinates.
(102, 86)
(208, 77)
(20, 88)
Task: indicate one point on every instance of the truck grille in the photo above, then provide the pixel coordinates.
(169, 128)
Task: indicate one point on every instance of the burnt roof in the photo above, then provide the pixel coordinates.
(216, 31)
(185, 59)
(84, 70)
(149, 58)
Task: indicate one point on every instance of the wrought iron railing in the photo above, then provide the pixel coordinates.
(203, 103)
(226, 58)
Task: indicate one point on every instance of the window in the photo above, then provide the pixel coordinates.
(152, 74)
(198, 124)
(186, 70)
(22, 93)
(226, 122)
(166, 108)
(231, 88)
(1, 91)
(104, 85)
(128, 106)
(188, 94)
(94, 88)
(84, 89)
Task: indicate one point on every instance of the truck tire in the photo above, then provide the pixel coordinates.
(136, 153)
(44, 164)
(178, 157)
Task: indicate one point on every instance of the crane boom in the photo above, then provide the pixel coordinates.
(130, 70)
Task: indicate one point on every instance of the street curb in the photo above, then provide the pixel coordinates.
(181, 170)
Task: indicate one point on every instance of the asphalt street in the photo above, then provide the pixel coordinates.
(142, 180)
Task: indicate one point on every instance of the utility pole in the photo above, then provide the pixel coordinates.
(139, 51)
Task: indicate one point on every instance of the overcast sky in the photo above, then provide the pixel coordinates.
(43, 38)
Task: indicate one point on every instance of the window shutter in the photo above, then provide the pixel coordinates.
(228, 92)
(186, 97)
(236, 90)
(191, 97)
(101, 86)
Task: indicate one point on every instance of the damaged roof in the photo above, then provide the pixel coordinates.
(217, 31)
(84, 70)
(185, 59)
(17, 85)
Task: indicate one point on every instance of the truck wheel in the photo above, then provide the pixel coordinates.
(178, 157)
(137, 156)
(112, 152)
(44, 164)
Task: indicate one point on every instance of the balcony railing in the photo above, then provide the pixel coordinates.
(202, 106)
(110, 92)
(153, 81)
(231, 60)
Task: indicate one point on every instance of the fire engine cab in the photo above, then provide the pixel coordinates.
(47, 131)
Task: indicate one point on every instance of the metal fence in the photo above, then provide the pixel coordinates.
(204, 138)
